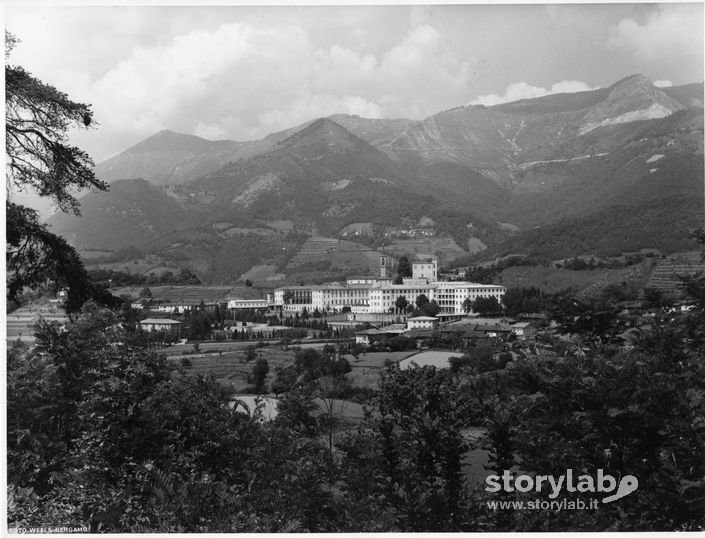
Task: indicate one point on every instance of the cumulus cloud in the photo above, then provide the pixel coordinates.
(522, 90)
(243, 81)
(663, 83)
(668, 32)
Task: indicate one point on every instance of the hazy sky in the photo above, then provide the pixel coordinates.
(243, 72)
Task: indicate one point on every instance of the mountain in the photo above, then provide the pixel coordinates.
(168, 157)
(496, 141)
(174, 158)
(375, 131)
(690, 95)
(605, 169)
(132, 213)
(323, 177)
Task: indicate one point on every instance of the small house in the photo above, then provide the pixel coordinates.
(422, 322)
(524, 330)
(166, 326)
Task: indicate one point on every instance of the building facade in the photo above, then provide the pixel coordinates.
(381, 296)
(166, 326)
(425, 269)
(247, 304)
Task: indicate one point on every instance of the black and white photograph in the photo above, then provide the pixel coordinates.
(353, 268)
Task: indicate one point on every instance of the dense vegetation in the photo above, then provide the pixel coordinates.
(103, 431)
(39, 158)
(116, 278)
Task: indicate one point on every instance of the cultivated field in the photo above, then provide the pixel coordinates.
(439, 359)
(444, 247)
(19, 324)
(226, 362)
(192, 293)
(551, 280)
(260, 273)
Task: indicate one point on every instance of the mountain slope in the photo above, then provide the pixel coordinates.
(323, 177)
(624, 161)
(168, 157)
(495, 141)
(132, 213)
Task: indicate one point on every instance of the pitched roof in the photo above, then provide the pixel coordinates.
(159, 321)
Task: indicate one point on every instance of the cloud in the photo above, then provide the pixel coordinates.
(668, 32)
(316, 106)
(663, 83)
(522, 90)
(210, 131)
(243, 81)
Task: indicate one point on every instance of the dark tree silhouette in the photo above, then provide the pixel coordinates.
(39, 158)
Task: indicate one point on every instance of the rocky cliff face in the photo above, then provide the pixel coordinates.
(497, 141)
(634, 98)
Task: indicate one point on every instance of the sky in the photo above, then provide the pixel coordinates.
(242, 72)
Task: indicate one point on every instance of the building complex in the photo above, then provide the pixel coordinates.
(379, 295)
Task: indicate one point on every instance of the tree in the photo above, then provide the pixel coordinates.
(421, 301)
(401, 303)
(39, 158)
(414, 447)
(145, 293)
(487, 306)
(404, 268)
(431, 309)
(285, 380)
(467, 305)
(250, 353)
(259, 374)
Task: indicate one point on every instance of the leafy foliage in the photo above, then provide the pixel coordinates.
(487, 306)
(37, 117)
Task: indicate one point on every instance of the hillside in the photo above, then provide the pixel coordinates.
(496, 141)
(132, 213)
(619, 168)
(168, 157)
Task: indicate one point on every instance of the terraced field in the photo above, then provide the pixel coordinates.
(445, 248)
(665, 276)
(338, 253)
(315, 249)
(552, 280)
(193, 293)
(259, 273)
(19, 325)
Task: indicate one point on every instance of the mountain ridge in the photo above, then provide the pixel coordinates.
(469, 170)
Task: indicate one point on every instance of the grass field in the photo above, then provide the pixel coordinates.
(229, 366)
(439, 359)
(192, 293)
(141, 267)
(444, 247)
(258, 273)
(365, 371)
(232, 368)
(551, 280)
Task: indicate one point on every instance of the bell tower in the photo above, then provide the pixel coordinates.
(383, 261)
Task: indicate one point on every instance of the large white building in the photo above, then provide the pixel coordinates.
(426, 269)
(370, 295)
(451, 296)
(381, 296)
(248, 304)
